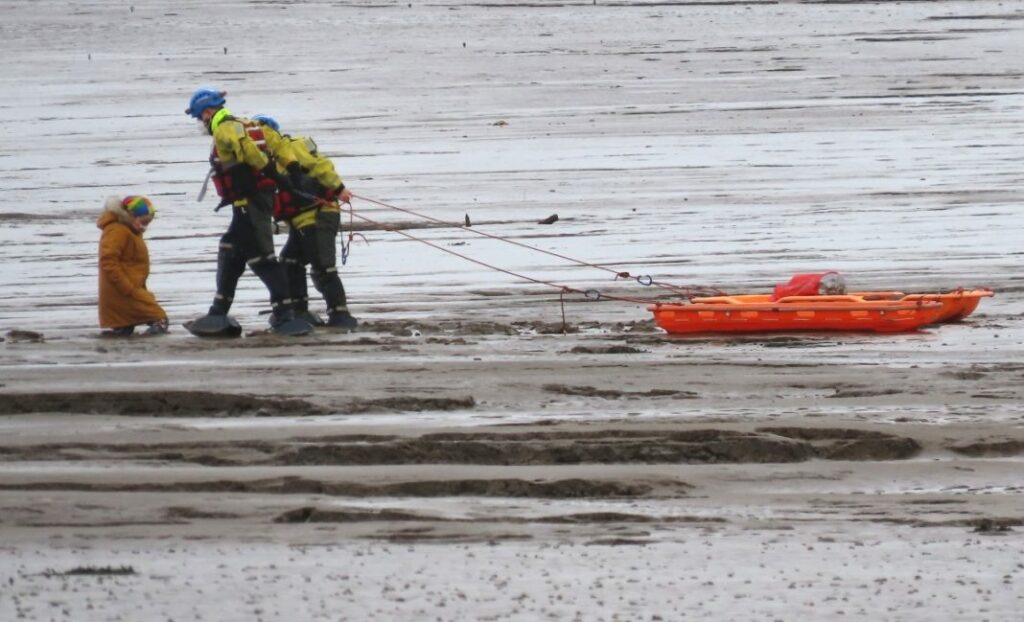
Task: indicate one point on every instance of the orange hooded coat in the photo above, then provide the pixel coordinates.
(124, 268)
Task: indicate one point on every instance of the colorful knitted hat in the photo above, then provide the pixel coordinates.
(139, 207)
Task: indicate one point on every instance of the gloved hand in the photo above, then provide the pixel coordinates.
(295, 174)
(282, 181)
(341, 193)
(302, 182)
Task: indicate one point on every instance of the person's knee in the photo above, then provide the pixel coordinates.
(296, 271)
(225, 251)
(325, 277)
(264, 260)
(229, 266)
(291, 261)
(322, 260)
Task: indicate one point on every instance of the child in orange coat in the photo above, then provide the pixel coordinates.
(124, 267)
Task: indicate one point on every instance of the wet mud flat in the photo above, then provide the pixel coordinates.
(441, 469)
(514, 487)
(470, 454)
(497, 468)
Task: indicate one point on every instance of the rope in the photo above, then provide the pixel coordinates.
(590, 294)
(644, 279)
(346, 247)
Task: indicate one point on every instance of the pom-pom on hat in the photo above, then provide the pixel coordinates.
(140, 207)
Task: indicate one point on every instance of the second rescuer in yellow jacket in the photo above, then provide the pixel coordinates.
(314, 218)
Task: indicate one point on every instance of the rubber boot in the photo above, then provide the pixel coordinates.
(230, 268)
(284, 322)
(295, 270)
(121, 331)
(309, 316)
(273, 276)
(341, 319)
(157, 327)
(217, 322)
(329, 284)
(214, 325)
(282, 312)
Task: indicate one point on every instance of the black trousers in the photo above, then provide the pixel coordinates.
(249, 241)
(315, 245)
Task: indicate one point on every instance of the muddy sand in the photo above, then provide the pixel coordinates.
(373, 476)
(468, 454)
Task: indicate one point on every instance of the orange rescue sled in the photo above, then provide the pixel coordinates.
(758, 313)
(956, 305)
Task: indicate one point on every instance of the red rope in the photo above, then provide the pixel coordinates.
(687, 292)
(563, 288)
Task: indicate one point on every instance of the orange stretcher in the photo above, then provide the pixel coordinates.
(756, 313)
(956, 305)
(888, 311)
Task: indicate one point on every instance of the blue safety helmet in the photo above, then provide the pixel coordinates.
(267, 120)
(202, 99)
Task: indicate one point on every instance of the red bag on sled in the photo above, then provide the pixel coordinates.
(811, 285)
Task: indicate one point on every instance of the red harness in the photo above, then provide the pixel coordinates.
(233, 185)
(286, 207)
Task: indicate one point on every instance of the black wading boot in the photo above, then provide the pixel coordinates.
(216, 323)
(284, 322)
(341, 319)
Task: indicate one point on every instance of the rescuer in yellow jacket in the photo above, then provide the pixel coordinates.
(246, 178)
(314, 218)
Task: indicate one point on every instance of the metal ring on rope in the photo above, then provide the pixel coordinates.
(645, 280)
(592, 294)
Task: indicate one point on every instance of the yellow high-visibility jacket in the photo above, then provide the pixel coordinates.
(313, 164)
(303, 150)
(238, 142)
(233, 144)
(280, 146)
